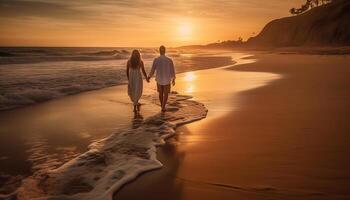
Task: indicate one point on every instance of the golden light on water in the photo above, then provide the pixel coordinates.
(190, 76)
(189, 80)
(190, 89)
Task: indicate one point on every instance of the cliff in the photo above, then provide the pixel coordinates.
(326, 25)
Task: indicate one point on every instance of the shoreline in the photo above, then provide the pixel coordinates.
(113, 76)
(250, 173)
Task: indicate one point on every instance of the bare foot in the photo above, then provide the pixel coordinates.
(138, 106)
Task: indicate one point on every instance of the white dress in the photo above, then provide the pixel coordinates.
(135, 85)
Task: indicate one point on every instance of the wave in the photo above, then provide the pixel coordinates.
(37, 55)
(108, 53)
(115, 160)
(18, 91)
(15, 59)
(6, 54)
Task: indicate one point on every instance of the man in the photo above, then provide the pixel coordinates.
(165, 74)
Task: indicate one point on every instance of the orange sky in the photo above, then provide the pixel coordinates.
(138, 23)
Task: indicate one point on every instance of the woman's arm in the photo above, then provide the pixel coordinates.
(144, 71)
(127, 69)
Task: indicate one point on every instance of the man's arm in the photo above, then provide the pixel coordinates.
(172, 71)
(153, 69)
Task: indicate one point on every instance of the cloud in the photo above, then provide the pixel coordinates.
(52, 9)
(95, 10)
(62, 19)
(105, 10)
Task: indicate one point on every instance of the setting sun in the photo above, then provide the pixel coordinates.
(185, 31)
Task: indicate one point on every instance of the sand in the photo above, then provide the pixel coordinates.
(288, 139)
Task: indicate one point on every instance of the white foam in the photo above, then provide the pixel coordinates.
(115, 160)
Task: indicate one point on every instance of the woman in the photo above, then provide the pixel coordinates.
(133, 72)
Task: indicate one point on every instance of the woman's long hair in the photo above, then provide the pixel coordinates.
(135, 58)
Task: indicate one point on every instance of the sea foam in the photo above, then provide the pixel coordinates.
(111, 162)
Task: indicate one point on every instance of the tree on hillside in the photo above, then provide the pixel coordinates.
(309, 4)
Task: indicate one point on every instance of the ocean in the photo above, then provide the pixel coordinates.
(32, 75)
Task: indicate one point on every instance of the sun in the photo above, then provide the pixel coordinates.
(185, 30)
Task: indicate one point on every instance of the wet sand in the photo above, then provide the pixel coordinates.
(285, 140)
(44, 136)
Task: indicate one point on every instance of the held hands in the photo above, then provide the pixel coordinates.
(148, 78)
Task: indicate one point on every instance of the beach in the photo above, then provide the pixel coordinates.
(181, 100)
(275, 129)
(285, 140)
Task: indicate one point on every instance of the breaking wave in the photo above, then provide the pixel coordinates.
(37, 55)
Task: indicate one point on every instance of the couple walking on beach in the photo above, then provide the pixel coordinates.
(165, 75)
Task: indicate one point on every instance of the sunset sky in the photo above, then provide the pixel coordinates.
(140, 23)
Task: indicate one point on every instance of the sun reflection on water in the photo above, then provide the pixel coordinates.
(189, 80)
(190, 76)
(190, 89)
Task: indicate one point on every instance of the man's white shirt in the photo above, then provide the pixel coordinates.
(164, 68)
